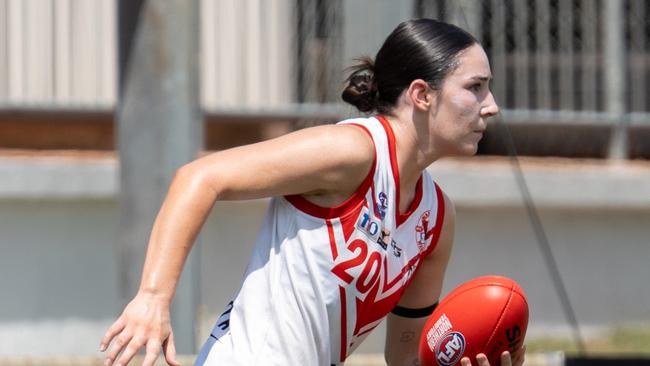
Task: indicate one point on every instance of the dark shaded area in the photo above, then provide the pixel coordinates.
(128, 16)
(639, 142)
(56, 130)
(539, 140)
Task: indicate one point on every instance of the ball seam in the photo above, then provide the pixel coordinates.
(500, 319)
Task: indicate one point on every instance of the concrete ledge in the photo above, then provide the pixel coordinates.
(63, 175)
(552, 182)
(476, 182)
(545, 359)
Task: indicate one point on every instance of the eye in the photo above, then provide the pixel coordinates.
(476, 87)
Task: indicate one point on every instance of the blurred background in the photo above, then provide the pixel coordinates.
(102, 100)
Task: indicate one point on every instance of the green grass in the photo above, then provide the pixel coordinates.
(628, 341)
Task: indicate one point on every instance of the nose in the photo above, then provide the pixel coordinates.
(490, 107)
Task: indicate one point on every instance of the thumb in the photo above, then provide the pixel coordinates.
(170, 350)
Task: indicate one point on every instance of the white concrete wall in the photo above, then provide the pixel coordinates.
(58, 225)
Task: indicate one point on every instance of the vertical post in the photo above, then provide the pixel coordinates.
(588, 23)
(638, 51)
(614, 52)
(499, 54)
(522, 61)
(467, 15)
(159, 129)
(426, 9)
(565, 40)
(543, 55)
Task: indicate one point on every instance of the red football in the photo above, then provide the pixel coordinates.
(486, 315)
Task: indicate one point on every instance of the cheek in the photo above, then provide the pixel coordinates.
(464, 106)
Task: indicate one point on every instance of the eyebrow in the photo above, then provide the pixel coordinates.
(481, 77)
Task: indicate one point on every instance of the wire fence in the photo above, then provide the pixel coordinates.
(57, 53)
(577, 55)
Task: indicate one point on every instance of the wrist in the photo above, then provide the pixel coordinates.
(156, 294)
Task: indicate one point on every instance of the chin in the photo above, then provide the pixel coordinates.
(462, 153)
(468, 150)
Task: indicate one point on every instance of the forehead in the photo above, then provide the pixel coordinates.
(472, 62)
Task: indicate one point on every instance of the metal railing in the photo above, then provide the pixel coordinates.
(582, 55)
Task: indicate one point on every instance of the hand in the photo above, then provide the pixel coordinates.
(517, 359)
(144, 323)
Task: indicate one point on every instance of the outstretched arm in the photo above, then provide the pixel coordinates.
(326, 164)
(403, 333)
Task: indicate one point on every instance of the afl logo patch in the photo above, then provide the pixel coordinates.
(450, 348)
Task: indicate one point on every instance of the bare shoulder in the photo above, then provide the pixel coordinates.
(346, 153)
(328, 160)
(359, 143)
(348, 140)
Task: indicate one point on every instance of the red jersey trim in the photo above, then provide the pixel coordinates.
(358, 197)
(330, 233)
(344, 325)
(400, 217)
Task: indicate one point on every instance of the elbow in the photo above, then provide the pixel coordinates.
(189, 172)
(192, 176)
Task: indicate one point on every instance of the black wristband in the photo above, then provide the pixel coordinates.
(414, 313)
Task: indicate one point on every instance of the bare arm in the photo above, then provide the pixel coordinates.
(403, 334)
(326, 164)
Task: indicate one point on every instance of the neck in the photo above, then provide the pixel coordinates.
(415, 151)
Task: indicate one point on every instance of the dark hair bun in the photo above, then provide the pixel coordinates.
(361, 90)
(424, 49)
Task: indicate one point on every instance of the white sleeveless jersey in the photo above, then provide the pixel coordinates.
(320, 279)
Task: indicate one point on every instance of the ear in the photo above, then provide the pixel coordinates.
(419, 96)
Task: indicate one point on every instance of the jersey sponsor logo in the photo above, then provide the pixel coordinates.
(450, 348)
(397, 251)
(421, 230)
(382, 205)
(374, 229)
(383, 238)
(223, 323)
(371, 226)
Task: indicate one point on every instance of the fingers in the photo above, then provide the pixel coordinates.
(134, 345)
(505, 359)
(110, 333)
(170, 350)
(131, 349)
(483, 360)
(519, 356)
(120, 342)
(153, 350)
(465, 361)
